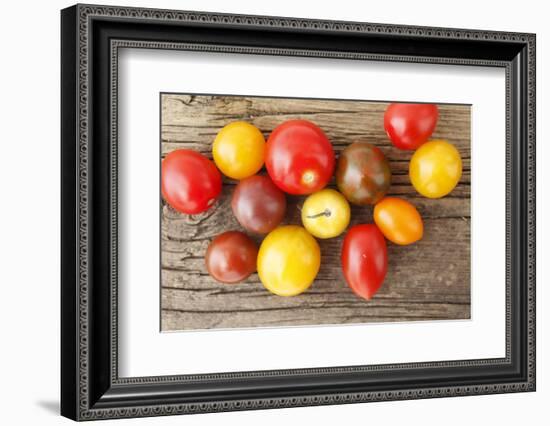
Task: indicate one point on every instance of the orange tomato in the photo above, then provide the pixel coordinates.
(239, 149)
(398, 220)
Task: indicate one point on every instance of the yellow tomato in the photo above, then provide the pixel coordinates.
(238, 150)
(288, 260)
(398, 220)
(435, 168)
(326, 214)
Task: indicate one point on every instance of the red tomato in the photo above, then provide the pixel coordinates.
(190, 182)
(231, 257)
(410, 125)
(299, 157)
(364, 259)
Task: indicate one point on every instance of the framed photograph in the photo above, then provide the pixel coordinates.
(263, 212)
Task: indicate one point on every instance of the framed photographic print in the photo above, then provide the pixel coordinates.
(263, 212)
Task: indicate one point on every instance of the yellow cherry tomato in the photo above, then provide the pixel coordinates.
(398, 220)
(435, 168)
(326, 213)
(288, 260)
(238, 150)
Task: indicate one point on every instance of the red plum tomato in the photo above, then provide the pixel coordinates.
(190, 182)
(299, 157)
(364, 259)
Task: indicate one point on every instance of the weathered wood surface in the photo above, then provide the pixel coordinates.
(429, 280)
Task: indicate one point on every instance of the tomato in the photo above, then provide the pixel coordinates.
(435, 168)
(398, 220)
(326, 214)
(410, 125)
(258, 204)
(299, 157)
(364, 259)
(190, 182)
(239, 149)
(363, 174)
(288, 260)
(231, 257)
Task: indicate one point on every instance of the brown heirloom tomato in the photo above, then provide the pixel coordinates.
(231, 257)
(364, 259)
(398, 220)
(258, 204)
(363, 174)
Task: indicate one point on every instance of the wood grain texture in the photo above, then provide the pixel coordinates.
(429, 280)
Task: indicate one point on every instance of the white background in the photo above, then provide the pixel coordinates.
(29, 225)
(146, 352)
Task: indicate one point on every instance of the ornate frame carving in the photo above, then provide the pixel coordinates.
(83, 396)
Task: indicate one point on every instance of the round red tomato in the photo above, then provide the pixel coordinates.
(190, 182)
(231, 257)
(299, 157)
(410, 125)
(364, 259)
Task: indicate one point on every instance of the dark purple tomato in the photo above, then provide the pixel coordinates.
(363, 174)
(231, 257)
(258, 204)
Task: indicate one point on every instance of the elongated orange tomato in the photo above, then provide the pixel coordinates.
(398, 220)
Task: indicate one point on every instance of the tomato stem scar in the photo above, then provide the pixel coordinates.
(309, 177)
(326, 213)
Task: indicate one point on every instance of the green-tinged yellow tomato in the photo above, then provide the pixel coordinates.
(435, 168)
(288, 260)
(398, 220)
(238, 150)
(326, 214)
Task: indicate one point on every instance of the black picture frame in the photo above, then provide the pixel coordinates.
(90, 38)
